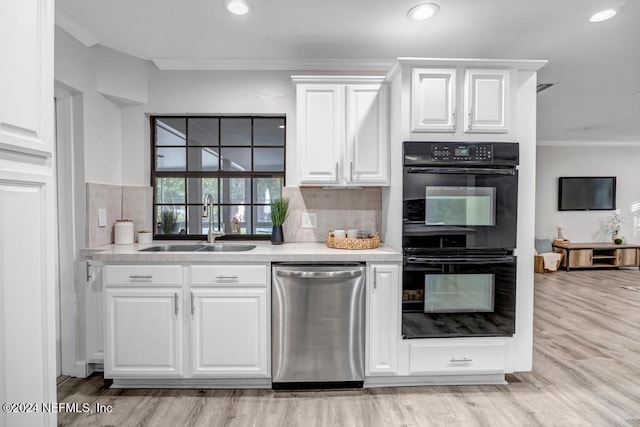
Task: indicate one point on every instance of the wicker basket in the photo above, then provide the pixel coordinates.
(538, 264)
(346, 243)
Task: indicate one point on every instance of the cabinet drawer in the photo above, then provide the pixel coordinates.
(143, 275)
(457, 358)
(229, 275)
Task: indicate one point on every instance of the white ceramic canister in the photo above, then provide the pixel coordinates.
(123, 232)
(145, 237)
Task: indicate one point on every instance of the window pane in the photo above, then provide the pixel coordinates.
(169, 190)
(197, 188)
(262, 219)
(268, 159)
(198, 224)
(203, 131)
(235, 190)
(235, 131)
(170, 159)
(203, 159)
(171, 131)
(269, 131)
(265, 190)
(170, 220)
(236, 219)
(235, 159)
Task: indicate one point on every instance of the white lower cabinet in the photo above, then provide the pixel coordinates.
(383, 319)
(94, 313)
(144, 332)
(229, 336)
(200, 321)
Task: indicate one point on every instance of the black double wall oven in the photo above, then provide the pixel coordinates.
(459, 232)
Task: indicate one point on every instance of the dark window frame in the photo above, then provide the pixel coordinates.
(218, 174)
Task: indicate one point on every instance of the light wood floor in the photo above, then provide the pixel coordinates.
(586, 372)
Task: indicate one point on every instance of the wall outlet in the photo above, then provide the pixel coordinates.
(102, 217)
(309, 219)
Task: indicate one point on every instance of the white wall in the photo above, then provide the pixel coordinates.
(205, 92)
(75, 67)
(622, 162)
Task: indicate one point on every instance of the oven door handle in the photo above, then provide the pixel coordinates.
(470, 260)
(463, 171)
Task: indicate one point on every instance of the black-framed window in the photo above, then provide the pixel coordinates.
(238, 161)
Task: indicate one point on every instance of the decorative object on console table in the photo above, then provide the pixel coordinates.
(613, 224)
(279, 212)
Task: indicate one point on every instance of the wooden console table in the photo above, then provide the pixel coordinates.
(597, 255)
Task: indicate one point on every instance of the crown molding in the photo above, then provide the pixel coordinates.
(301, 64)
(74, 29)
(520, 64)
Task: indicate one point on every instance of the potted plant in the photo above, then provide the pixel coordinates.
(613, 226)
(279, 212)
(168, 221)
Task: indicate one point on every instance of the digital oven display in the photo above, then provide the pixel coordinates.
(461, 152)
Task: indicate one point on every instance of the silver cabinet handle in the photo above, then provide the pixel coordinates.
(88, 266)
(337, 177)
(193, 308)
(375, 278)
(230, 277)
(351, 171)
(140, 276)
(453, 119)
(470, 116)
(175, 303)
(463, 360)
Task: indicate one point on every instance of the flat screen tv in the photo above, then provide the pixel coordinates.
(587, 193)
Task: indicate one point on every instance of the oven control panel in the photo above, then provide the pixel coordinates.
(462, 152)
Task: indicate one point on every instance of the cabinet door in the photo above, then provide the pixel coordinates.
(433, 98)
(581, 258)
(144, 333)
(627, 257)
(94, 313)
(229, 333)
(383, 314)
(487, 101)
(320, 112)
(367, 135)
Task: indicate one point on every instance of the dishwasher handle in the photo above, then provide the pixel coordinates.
(320, 274)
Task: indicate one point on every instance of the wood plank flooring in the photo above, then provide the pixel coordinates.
(586, 372)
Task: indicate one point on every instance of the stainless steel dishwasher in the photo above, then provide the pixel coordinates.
(318, 326)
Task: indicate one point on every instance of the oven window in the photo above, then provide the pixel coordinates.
(460, 205)
(447, 293)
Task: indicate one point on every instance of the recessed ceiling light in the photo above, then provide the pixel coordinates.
(237, 7)
(423, 11)
(603, 15)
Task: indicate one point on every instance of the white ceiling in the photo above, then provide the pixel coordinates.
(596, 67)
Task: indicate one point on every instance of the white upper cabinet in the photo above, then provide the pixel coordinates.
(461, 102)
(342, 131)
(320, 128)
(487, 102)
(433, 100)
(367, 142)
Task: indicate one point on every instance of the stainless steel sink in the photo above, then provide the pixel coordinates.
(199, 247)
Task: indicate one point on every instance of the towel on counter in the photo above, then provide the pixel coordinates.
(551, 260)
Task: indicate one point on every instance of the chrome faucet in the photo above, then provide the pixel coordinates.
(208, 211)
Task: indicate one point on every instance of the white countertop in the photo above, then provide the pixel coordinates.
(263, 252)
